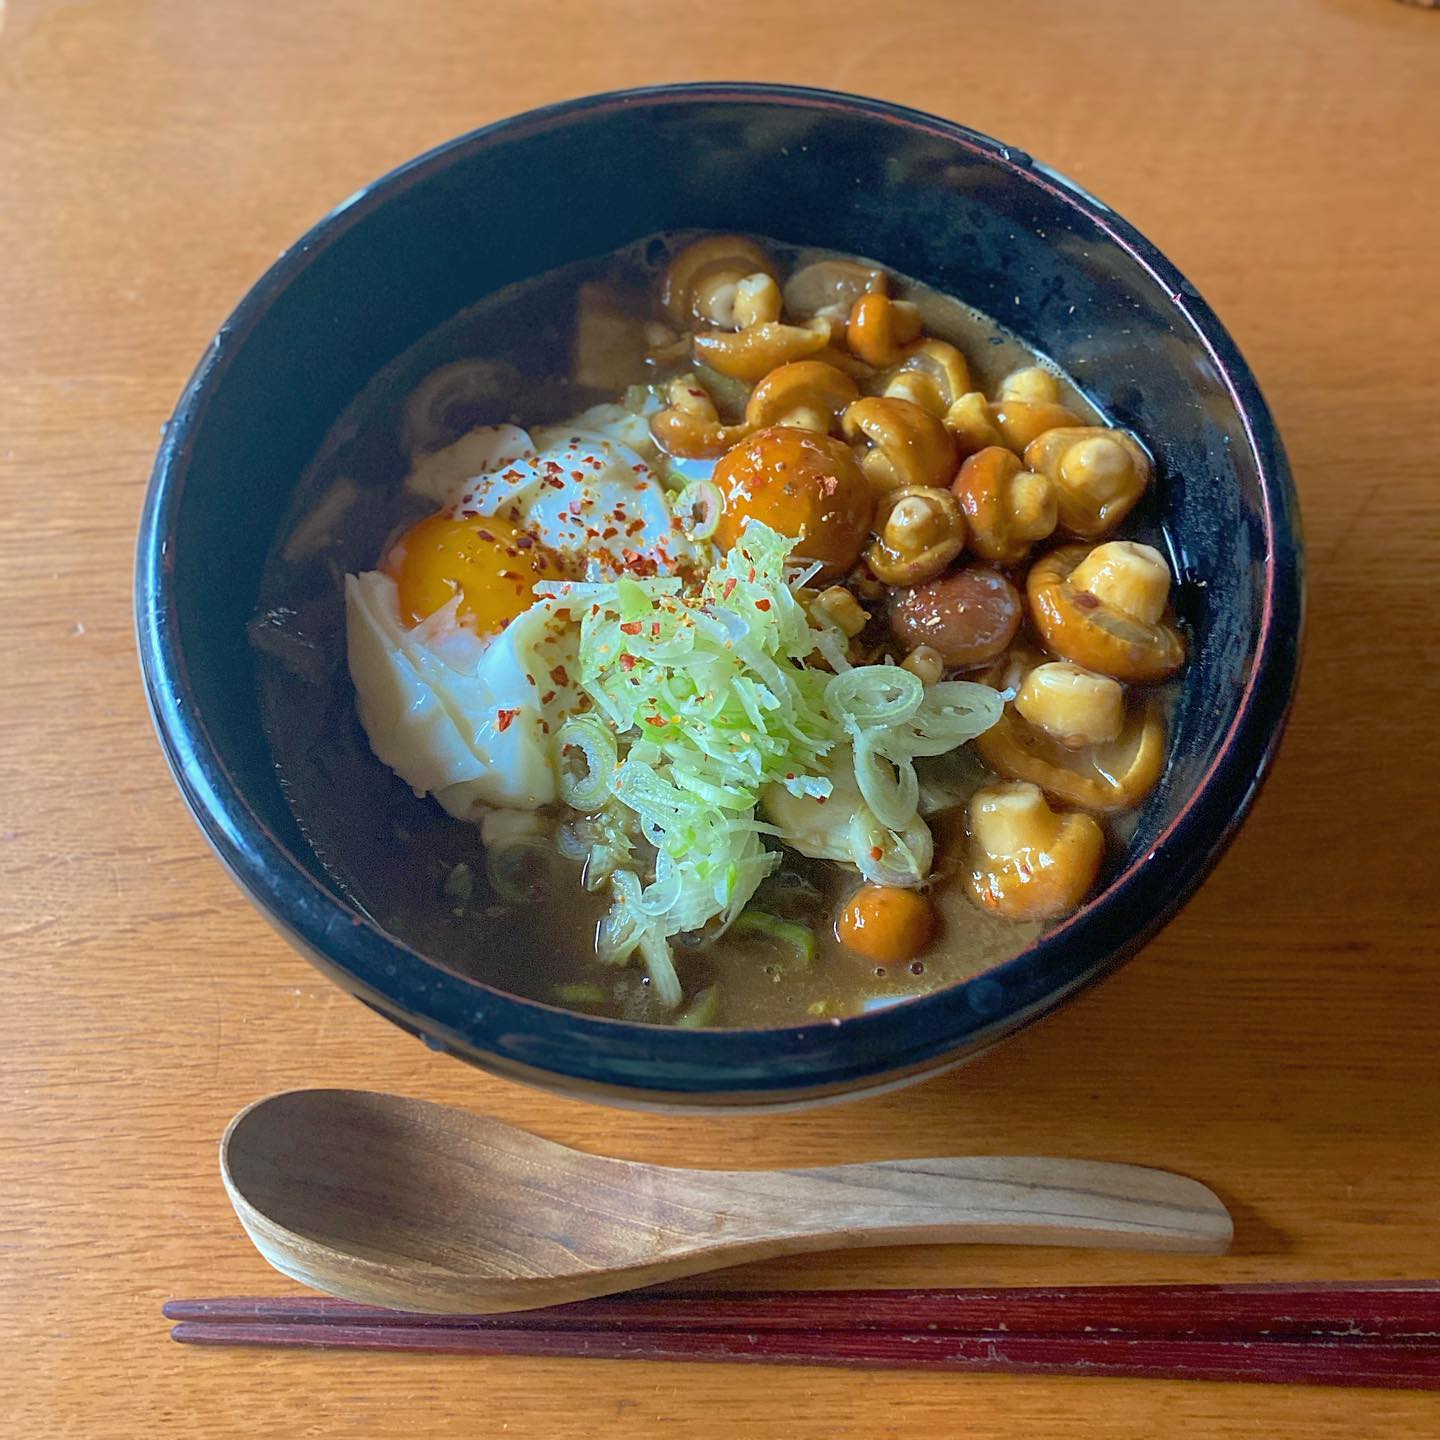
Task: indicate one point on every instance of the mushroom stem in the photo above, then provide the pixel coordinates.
(1131, 578)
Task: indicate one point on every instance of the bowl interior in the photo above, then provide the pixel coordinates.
(959, 213)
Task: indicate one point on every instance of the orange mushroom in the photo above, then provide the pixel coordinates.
(971, 423)
(808, 394)
(800, 484)
(932, 374)
(919, 531)
(886, 924)
(750, 354)
(1026, 862)
(830, 287)
(908, 446)
(1099, 475)
(1107, 777)
(1008, 508)
(880, 328)
(1022, 421)
(1106, 609)
(701, 282)
(690, 426)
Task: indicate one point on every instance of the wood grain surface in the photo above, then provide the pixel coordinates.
(1278, 1041)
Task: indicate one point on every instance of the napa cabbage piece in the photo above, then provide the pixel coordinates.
(702, 702)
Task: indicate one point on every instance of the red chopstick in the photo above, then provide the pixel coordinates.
(1380, 1310)
(1352, 1363)
(1384, 1334)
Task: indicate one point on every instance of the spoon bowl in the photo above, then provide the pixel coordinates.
(400, 1202)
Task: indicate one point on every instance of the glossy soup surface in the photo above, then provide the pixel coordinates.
(525, 922)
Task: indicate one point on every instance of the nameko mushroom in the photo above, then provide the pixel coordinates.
(1026, 862)
(1106, 608)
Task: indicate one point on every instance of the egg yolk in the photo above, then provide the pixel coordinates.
(802, 484)
(492, 564)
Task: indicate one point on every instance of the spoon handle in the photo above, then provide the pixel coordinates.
(1014, 1200)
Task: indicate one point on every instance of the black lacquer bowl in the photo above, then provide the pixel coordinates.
(928, 198)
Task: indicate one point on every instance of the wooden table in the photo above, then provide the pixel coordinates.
(1278, 1040)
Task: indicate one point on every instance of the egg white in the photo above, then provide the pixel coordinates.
(465, 718)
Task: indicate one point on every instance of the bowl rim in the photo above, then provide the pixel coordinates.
(622, 1059)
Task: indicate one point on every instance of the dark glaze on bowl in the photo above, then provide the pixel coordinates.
(929, 199)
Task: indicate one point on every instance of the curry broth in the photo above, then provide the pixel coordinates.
(423, 875)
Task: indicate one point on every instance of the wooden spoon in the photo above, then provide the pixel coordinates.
(419, 1206)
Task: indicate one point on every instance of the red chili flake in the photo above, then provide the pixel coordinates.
(1084, 600)
(639, 469)
(594, 609)
(821, 799)
(486, 536)
(654, 629)
(555, 484)
(634, 527)
(524, 542)
(577, 474)
(609, 533)
(563, 614)
(657, 720)
(729, 589)
(789, 774)
(547, 697)
(627, 662)
(508, 575)
(504, 719)
(545, 726)
(530, 679)
(631, 627)
(752, 575)
(560, 675)
(762, 604)
(511, 475)
(876, 853)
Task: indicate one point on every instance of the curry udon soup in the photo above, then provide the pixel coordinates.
(718, 634)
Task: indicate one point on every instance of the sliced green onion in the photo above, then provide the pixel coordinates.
(890, 788)
(873, 695)
(585, 757)
(702, 701)
(701, 1011)
(580, 992)
(800, 938)
(519, 872)
(699, 505)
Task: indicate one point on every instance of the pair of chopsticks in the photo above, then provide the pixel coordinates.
(1385, 1334)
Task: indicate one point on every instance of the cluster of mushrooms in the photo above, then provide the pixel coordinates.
(853, 431)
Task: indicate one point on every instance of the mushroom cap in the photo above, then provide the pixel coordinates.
(1025, 861)
(802, 385)
(880, 328)
(968, 615)
(800, 484)
(919, 531)
(831, 284)
(1006, 514)
(707, 259)
(932, 374)
(1021, 420)
(1099, 475)
(752, 353)
(1079, 626)
(908, 446)
(971, 423)
(1106, 778)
